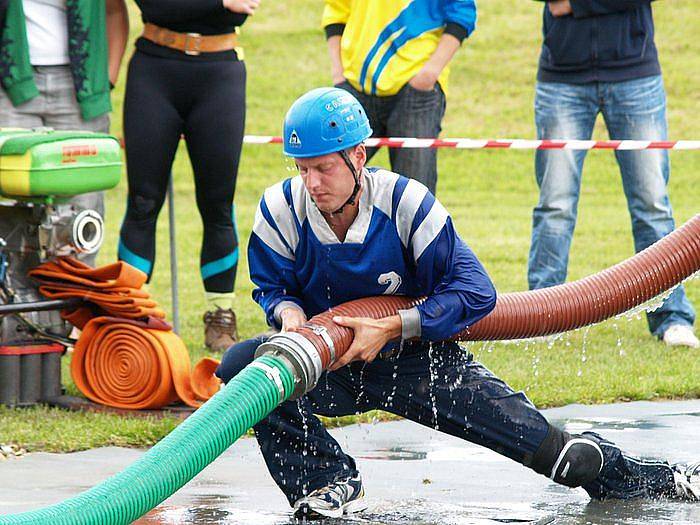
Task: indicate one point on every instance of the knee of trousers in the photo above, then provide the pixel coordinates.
(142, 208)
(571, 460)
(236, 359)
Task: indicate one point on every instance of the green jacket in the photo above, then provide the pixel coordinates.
(87, 48)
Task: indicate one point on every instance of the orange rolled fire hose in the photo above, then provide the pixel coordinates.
(127, 356)
(113, 290)
(136, 365)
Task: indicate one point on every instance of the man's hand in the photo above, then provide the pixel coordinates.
(337, 78)
(370, 337)
(425, 79)
(292, 318)
(559, 7)
(428, 75)
(246, 7)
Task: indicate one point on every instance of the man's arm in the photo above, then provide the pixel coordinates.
(427, 76)
(337, 70)
(460, 21)
(335, 16)
(461, 292)
(271, 261)
(117, 27)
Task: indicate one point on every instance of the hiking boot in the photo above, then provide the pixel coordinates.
(687, 481)
(340, 497)
(220, 330)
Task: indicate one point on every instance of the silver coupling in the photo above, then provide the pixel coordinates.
(301, 354)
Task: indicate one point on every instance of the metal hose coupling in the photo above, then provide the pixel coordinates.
(299, 355)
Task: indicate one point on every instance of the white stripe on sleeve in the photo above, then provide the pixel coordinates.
(429, 229)
(413, 195)
(282, 214)
(269, 236)
(381, 185)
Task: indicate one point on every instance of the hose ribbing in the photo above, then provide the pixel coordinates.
(177, 458)
(613, 291)
(517, 315)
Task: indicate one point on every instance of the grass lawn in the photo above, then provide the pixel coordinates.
(489, 193)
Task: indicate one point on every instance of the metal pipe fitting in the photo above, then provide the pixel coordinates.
(302, 356)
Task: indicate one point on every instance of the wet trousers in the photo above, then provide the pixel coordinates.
(440, 387)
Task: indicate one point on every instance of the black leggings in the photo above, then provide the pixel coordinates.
(205, 102)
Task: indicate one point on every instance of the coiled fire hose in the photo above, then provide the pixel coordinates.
(127, 356)
(290, 364)
(136, 365)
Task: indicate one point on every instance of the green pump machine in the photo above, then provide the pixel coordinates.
(41, 171)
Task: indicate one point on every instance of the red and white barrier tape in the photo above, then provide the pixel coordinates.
(400, 142)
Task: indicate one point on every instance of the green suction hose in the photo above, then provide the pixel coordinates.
(178, 457)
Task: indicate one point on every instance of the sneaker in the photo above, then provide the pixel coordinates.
(220, 330)
(341, 497)
(687, 481)
(681, 335)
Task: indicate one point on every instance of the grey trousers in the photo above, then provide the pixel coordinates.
(409, 113)
(56, 107)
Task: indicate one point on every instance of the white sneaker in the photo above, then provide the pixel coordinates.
(687, 481)
(681, 335)
(341, 497)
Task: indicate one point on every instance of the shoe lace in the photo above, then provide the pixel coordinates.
(341, 489)
(220, 317)
(693, 470)
(685, 484)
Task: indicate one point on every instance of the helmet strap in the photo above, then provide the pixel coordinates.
(351, 200)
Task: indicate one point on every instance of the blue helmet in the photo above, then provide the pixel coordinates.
(322, 121)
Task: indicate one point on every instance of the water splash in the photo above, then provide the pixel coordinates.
(433, 377)
(655, 302)
(584, 357)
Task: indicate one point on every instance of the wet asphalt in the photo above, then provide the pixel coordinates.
(412, 475)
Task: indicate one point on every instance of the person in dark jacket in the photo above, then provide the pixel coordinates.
(599, 56)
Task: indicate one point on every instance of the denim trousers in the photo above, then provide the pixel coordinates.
(409, 113)
(634, 109)
(438, 385)
(56, 107)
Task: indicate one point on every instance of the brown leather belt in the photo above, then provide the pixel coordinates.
(190, 43)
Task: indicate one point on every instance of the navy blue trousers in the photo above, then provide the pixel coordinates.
(440, 387)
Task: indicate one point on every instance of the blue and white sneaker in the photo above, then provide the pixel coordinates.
(345, 496)
(687, 480)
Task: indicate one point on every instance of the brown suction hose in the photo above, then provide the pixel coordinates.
(630, 283)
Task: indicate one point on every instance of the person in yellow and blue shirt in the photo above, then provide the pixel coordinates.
(393, 57)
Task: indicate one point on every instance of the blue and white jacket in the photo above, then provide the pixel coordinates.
(402, 242)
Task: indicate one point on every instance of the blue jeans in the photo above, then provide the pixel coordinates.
(409, 113)
(442, 388)
(634, 109)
